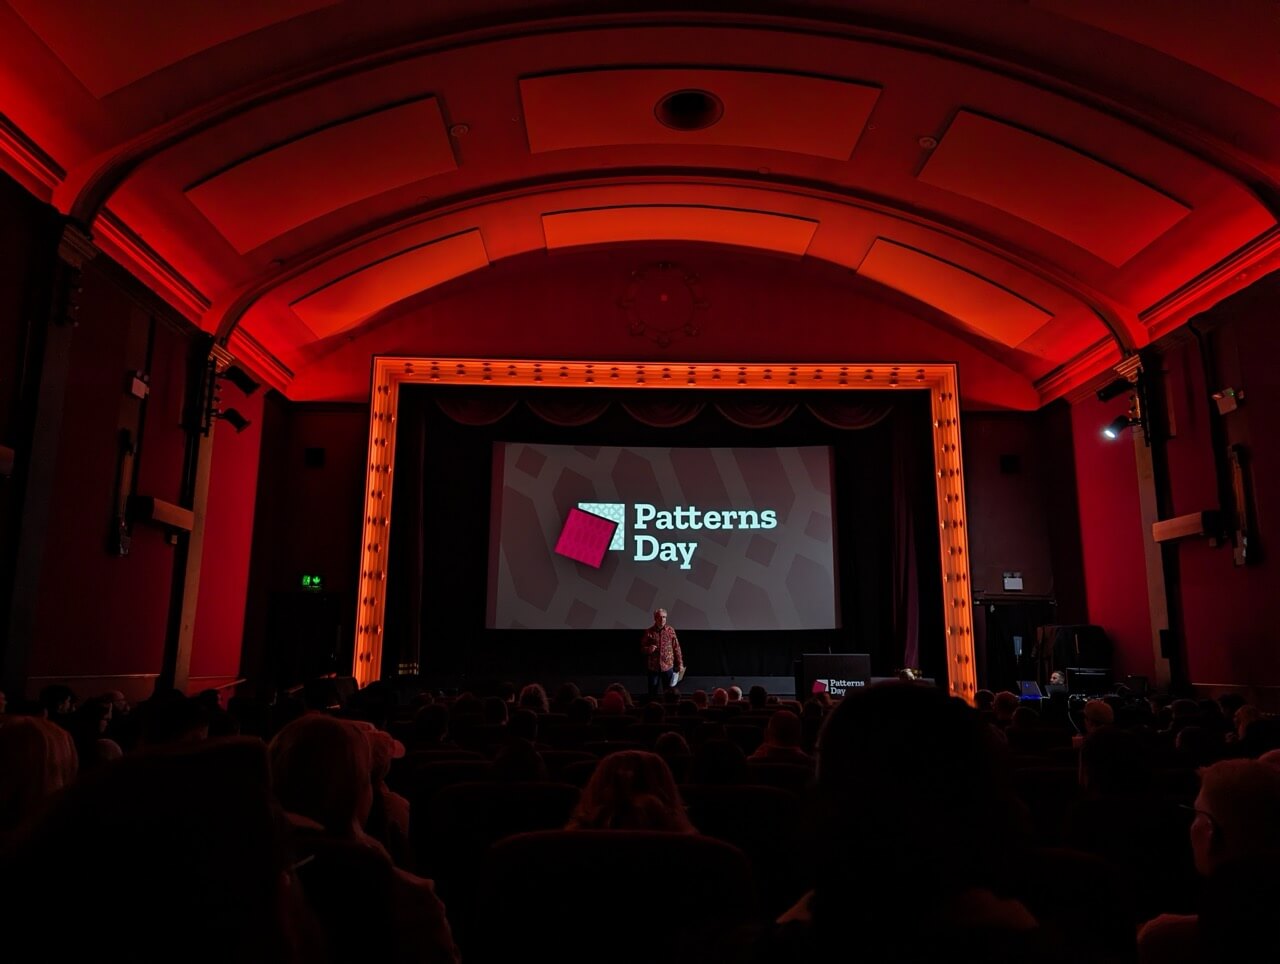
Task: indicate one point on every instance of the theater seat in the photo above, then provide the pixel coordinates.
(579, 772)
(557, 760)
(1048, 793)
(785, 776)
(604, 747)
(450, 841)
(763, 822)
(1081, 900)
(608, 895)
(426, 781)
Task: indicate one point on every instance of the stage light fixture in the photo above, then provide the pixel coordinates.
(236, 420)
(1114, 388)
(1117, 426)
(241, 379)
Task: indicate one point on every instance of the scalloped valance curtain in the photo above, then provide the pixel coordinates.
(486, 408)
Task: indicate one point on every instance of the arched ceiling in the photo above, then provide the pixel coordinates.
(1060, 180)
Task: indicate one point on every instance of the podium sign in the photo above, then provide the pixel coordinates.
(833, 673)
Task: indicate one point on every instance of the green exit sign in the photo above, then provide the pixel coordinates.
(312, 583)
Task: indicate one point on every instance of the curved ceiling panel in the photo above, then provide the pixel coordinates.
(347, 300)
(1096, 206)
(270, 193)
(971, 299)
(772, 111)
(751, 229)
(283, 158)
(1236, 41)
(110, 45)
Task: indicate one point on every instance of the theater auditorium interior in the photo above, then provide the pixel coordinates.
(614, 481)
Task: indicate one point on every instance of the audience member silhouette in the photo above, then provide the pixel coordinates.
(37, 760)
(782, 739)
(916, 819)
(1235, 835)
(534, 697)
(175, 853)
(631, 790)
(322, 774)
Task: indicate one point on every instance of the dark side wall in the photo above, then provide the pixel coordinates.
(309, 498)
(99, 616)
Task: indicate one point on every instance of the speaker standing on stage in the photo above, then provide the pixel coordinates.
(662, 652)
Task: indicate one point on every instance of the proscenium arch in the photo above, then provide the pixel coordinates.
(1121, 326)
(939, 380)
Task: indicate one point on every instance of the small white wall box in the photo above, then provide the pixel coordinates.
(1013, 582)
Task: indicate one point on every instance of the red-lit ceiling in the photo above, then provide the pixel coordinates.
(1056, 182)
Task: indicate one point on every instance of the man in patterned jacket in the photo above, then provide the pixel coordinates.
(662, 653)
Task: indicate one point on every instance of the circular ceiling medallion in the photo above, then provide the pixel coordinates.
(689, 110)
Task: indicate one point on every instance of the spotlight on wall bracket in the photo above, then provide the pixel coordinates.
(235, 419)
(240, 378)
(1117, 426)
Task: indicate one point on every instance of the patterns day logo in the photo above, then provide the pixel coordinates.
(594, 528)
(586, 537)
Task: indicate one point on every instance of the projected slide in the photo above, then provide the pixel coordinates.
(596, 537)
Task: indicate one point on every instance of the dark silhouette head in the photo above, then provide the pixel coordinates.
(631, 790)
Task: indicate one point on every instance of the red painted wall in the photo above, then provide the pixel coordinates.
(228, 537)
(97, 612)
(1111, 534)
(1228, 626)
(756, 308)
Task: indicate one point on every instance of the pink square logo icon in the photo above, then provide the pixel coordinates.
(585, 537)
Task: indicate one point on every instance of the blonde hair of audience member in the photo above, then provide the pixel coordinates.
(1242, 718)
(631, 790)
(1237, 814)
(1098, 713)
(37, 759)
(321, 769)
(735, 693)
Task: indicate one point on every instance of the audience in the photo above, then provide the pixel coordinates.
(1236, 832)
(631, 790)
(917, 823)
(623, 693)
(782, 740)
(922, 843)
(1004, 706)
(565, 695)
(37, 759)
(673, 748)
(1097, 713)
(321, 769)
(431, 728)
(534, 697)
(170, 854)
